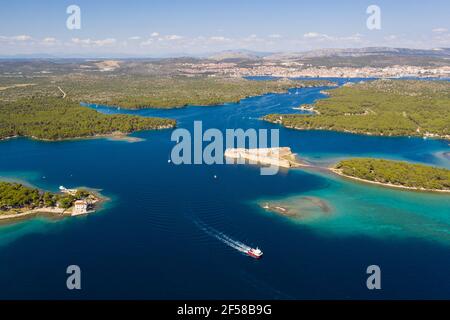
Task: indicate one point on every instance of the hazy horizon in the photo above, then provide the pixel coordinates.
(177, 28)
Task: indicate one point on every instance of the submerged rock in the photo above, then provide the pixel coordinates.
(302, 208)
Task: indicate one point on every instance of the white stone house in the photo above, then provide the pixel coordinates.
(80, 207)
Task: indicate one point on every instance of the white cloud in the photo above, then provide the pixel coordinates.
(22, 37)
(173, 43)
(275, 36)
(391, 37)
(354, 37)
(105, 42)
(81, 41)
(95, 43)
(311, 35)
(320, 37)
(173, 37)
(440, 30)
(19, 38)
(219, 39)
(253, 38)
(146, 42)
(441, 39)
(49, 40)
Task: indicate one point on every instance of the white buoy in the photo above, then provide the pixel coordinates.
(215, 177)
(168, 161)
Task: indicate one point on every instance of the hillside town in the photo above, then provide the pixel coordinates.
(294, 69)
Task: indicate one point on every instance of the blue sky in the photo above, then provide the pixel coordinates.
(153, 27)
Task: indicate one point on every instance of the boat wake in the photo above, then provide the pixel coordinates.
(223, 237)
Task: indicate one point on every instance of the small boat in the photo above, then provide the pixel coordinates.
(255, 253)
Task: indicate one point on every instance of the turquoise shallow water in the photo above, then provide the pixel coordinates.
(159, 238)
(361, 209)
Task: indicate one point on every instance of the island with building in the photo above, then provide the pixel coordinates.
(279, 156)
(18, 201)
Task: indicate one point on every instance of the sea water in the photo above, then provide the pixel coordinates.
(163, 233)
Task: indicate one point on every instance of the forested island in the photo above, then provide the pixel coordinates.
(381, 107)
(52, 118)
(18, 201)
(395, 174)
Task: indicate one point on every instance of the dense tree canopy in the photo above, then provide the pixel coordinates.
(382, 107)
(18, 196)
(49, 107)
(144, 91)
(397, 173)
(55, 118)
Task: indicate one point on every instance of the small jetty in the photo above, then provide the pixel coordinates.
(81, 206)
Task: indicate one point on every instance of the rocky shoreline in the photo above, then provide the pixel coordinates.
(114, 136)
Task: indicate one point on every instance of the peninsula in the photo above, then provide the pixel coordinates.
(50, 118)
(397, 174)
(381, 107)
(54, 107)
(388, 173)
(138, 91)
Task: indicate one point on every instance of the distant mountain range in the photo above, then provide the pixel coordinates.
(238, 54)
(242, 54)
(359, 52)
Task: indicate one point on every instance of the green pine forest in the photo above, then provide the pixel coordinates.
(53, 118)
(381, 107)
(397, 173)
(36, 107)
(16, 196)
(135, 92)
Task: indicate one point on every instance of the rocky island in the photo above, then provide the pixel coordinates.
(300, 208)
(281, 156)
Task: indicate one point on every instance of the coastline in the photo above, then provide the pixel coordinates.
(113, 136)
(326, 83)
(52, 212)
(313, 109)
(279, 156)
(389, 185)
(308, 108)
(424, 136)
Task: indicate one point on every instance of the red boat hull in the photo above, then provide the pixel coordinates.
(249, 253)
